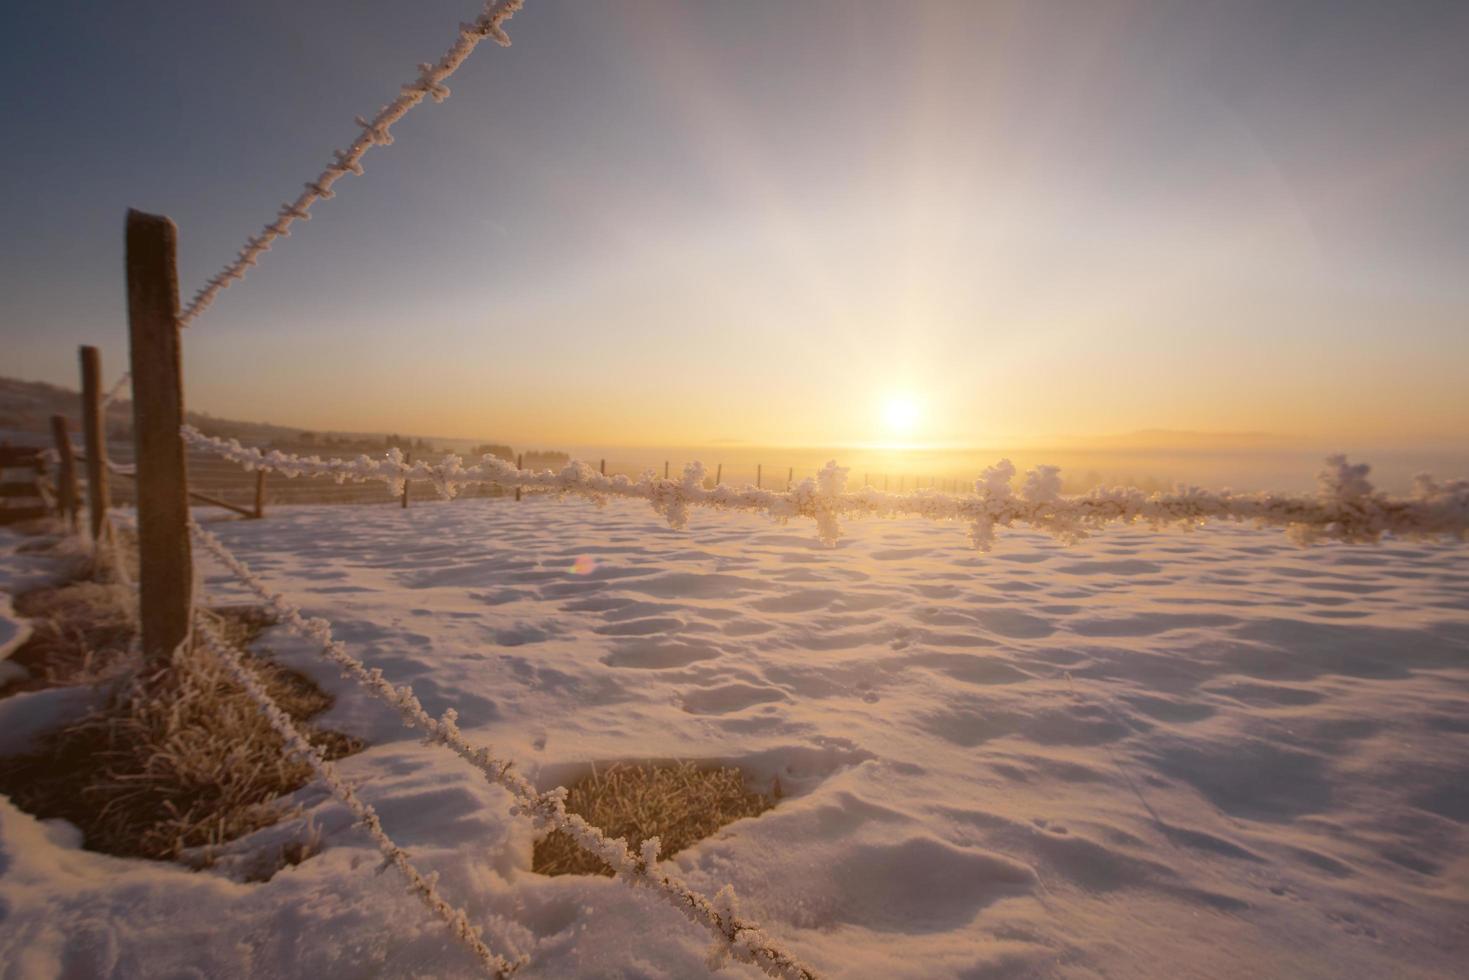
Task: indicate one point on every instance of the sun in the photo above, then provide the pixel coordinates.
(901, 415)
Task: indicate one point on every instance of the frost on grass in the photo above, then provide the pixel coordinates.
(176, 759)
(678, 804)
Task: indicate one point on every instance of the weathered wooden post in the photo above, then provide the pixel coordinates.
(603, 467)
(166, 572)
(66, 490)
(718, 474)
(519, 465)
(94, 436)
(407, 458)
(665, 469)
(758, 468)
(260, 494)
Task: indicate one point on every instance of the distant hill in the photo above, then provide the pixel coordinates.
(26, 408)
(1177, 440)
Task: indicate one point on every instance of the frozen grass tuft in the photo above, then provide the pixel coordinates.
(177, 759)
(81, 634)
(681, 803)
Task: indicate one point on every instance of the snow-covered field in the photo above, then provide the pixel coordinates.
(1207, 754)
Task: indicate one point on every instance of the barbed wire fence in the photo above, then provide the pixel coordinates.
(167, 603)
(1346, 508)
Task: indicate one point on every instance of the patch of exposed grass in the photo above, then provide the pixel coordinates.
(680, 803)
(178, 757)
(81, 633)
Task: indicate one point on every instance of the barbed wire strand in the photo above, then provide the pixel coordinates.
(736, 936)
(425, 886)
(375, 132)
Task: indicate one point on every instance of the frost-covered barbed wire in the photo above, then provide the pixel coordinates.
(425, 886)
(1345, 508)
(735, 936)
(375, 132)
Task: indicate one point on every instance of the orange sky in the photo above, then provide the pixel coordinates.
(675, 223)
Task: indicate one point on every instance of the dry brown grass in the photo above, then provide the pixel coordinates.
(179, 757)
(679, 802)
(80, 634)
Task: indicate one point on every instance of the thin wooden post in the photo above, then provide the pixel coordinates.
(758, 468)
(718, 474)
(519, 465)
(94, 435)
(66, 478)
(260, 494)
(604, 467)
(407, 458)
(166, 571)
(790, 477)
(665, 469)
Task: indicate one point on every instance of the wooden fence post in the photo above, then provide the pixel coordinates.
(94, 435)
(665, 469)
(758, 468)
(604, 467)
(166, 571)
(66, 491)
(790, 477)
(407, 458)
(718, 474)
(260, 494)
(519, 465)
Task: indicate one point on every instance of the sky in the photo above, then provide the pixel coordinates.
(785, 223)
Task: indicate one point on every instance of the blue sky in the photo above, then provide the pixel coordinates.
(676, 222)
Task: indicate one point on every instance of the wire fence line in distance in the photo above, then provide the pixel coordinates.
(1346, 506)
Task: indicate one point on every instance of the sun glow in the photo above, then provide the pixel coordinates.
(901, 414)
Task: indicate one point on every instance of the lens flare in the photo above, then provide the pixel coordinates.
(584, 565)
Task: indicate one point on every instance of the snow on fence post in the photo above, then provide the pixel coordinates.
(94, 436)
(165, 564)
(66, 478)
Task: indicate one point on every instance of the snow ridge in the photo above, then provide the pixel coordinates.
(1345, 508)
(422, 885)
(375, 132)
(738, 937)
